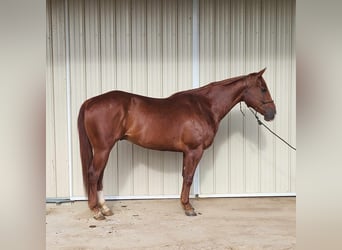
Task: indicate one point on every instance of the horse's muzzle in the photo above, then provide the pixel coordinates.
(269, 115)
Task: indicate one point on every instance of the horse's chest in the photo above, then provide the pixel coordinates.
(198, 132)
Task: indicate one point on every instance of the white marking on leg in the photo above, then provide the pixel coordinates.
(104, 209)
(100, 198)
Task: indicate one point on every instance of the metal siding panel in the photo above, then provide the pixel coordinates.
(184, 45)
(260, 34)
(154, 88)
(58, 44)
(292, 100)
(92, 48)
(108, 77)
(252, 56)
(51, 185)
(236, 120)
(170, 85)
(139, 86)
(207, 74)
(103, 56)
(78, 84)
(267, 140)
(184, 63)
(222, 51)
(124, 82)
(282, 98)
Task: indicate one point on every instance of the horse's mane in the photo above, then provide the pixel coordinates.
(205, 88)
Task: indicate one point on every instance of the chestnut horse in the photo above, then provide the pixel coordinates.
(184, 122)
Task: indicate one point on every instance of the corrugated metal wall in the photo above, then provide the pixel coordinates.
(238, 37)
(146, 47)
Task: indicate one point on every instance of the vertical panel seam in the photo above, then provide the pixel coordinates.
(260, 33)
(275, 92)
(214, 33)
(68, 94)
(53, 92)
(244, 119)
(85, 47)
(147, 83)
(177, 44)
(131, 82)
(289, 15)
(116, 85)
(229, 177)
(99, 33)
(162, 82)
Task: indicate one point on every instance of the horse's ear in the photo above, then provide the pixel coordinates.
(261, 72)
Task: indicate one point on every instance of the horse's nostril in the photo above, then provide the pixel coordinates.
(269, 115)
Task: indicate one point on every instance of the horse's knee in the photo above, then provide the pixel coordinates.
(93, 177)
(188, 180)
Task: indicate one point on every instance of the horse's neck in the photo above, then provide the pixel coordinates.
(224, 95)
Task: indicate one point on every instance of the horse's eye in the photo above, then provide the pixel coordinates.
(263, 90)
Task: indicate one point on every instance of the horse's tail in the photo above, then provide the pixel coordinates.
(85, 148)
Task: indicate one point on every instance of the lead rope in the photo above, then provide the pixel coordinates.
(261, 123)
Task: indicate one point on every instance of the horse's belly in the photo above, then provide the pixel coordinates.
(156, 141)
(163, 127)
(154, 135)
(171, 136)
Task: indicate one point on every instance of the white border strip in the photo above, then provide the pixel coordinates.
(151, 197)
(132, 197)
(68, 92)
(195, 71)
(251, 195)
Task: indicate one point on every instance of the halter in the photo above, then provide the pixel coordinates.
(262, 102)
(265, 102)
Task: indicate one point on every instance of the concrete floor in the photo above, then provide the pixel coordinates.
(222, 223)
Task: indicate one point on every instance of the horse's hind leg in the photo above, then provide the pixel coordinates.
(190, 161)
(105, 210)
(95, 171)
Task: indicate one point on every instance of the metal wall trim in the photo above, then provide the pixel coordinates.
(149, 197)
(249, 195)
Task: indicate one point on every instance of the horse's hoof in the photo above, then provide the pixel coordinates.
(190, 212)
(106, 211)
(99, 216)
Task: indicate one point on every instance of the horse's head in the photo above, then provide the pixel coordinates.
(257, 95)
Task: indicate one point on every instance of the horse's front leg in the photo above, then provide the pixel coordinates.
(190, 161)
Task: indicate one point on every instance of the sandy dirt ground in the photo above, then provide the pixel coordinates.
(222, 223)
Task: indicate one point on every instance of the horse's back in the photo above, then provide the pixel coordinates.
(109, 98)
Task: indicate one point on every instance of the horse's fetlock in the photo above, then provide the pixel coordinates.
(185, 202)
